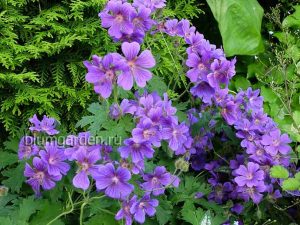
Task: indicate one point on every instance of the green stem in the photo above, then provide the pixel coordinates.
(116, 95)
(81, 212)
(64, 213)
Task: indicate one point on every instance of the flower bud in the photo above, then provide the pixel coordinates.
(182, 165)
(3, 191)
(115, 111)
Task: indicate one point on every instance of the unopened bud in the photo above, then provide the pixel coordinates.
(182, 165)
(3, 191)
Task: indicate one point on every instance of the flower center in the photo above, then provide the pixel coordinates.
(84, 166)
(201, 66)
(119, 18)
(27, 150)
(52, 160)
(136, 21)
(131, 64)
(147, 134)
(110, 74)
(276, 142)
(249, 176)
(259, 152)
(115, 180)
(39, 176)
(142, 205)
(136, 145)
(154, 180)
(250, 191)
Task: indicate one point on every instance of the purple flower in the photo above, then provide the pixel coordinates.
(198, 160)
(237, 208)
(27, 148)
(39, 176)
(114, 181)
(54, 158)
(117, 17)
(156, 181)
(199, 195)
(222, 71)
(124, 212)
(198, 69)
(228, 112)
(204, 91)
(252, 192)
(196, 42)
(86, 163)
(128, 106)
(184, 28)
(275, 142)
(102, 73)
(106, 150)
(115, 111)
(256, 152)
(142, 21)
(47, 125)
(177, 135)
(137, 150)
(249, 176)
(137, 66)
(79, 143)
(143, 207)
(145, 131)
(171, 27)
(151, 4)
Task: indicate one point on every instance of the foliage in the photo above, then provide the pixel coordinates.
(240, 25)
(42, 48)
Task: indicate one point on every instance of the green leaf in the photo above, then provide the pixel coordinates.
(47, 213)
(157, 84)
(297, 176)
(164, 212)
(15, 178)
(293, 20)
(279, 172)
(268, 94)
(102, 219)
(296, 117)
(240, 25)
(241, 83)
(291, 184)
(206, 219)
(96, 120)
(7, 159)
(190, 214)
(27, 207)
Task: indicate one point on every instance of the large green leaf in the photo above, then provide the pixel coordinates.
(240, 25)
(293, 20)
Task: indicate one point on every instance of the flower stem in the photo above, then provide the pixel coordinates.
(81, 212)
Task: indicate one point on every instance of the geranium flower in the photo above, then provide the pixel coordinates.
(114, 181)
(54, 158)
(39, 176)
(249, 176)
(137, 150)
(137, 66)
(117, 17)
(27, 148)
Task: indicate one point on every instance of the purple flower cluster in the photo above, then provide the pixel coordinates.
(210, 72)
(129, 22)
(49, 166)
(115, 69)
(46, 125)
(156, 123)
